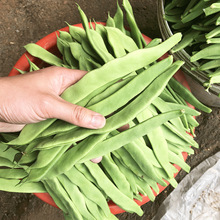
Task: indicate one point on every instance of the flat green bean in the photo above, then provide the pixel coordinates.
(119, 18)
(139, 167)
(13, 185)
(95, 39)
(76, 196)
(187, 95)
(110, 21)
(137, 149)
(129, 175)
(186, 41)
(213, 41)
(95, 211)
(12, 173)
(213, 33)
(61, 198)
(39, 52)
(33, 66)
(110, 91)
(36, 174)
(176, 160)
(163, 107)
(28, 158)
(212, 9)
(158, 143)
(145, 188)
(117, 176)
(90, 190)
(189, 6)
(77, 33)
(7, 152)
(120, 39)
(109, 188)
(172, 181)
(211, 51)
(135, 32)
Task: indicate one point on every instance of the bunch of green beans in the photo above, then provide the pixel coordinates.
(127, 84)
(198, 21)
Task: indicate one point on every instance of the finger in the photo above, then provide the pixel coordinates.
(7, 127)
(74, 114)
(97, 160)
(64, 77)
(70, 77)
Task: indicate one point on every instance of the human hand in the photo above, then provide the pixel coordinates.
(34, 97)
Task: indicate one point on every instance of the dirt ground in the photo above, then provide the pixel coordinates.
(25, 21)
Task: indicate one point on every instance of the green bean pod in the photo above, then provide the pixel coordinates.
(33, 66)
(13, 185)
(4, 162)
(141, 168)
(119, 18)
(39, 52)
(135, 32)
(213, 33)
(116, 175)
(158, 143)
(110, 21)
(210, 65)
(95, 39)
(172, 181)
(137, 149)
(7, 152)
(146, 189)
(212, 9)
(88, 189)
(12, 173)
(109, 188)
(77, 33)
(76, 196)
(36, 174)
(186, 41)
(120, 42)
(61, 198)
(128, 174)
(180, 162)
(111, 144)
(187, 95)
(83, 169)
(95, 211)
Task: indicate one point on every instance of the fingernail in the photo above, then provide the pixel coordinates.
(98, 121)
(96, 160)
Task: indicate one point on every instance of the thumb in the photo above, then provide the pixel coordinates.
(74, 114)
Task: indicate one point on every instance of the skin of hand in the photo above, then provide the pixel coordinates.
(35, 96)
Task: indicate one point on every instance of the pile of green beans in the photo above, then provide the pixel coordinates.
(198, 21)
(129, 85)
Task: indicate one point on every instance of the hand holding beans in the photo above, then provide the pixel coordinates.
(34, 97)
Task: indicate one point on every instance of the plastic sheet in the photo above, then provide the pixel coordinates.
(197, 197)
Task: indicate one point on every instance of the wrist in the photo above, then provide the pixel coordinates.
(3, 91)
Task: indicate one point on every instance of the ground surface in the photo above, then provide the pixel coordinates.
(25, 21)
